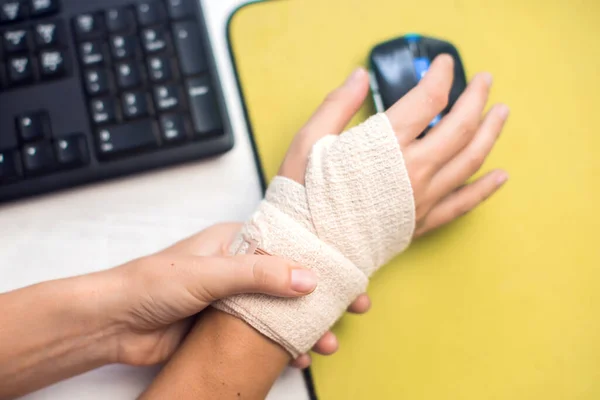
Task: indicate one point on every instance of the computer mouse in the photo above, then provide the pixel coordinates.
(396, 66)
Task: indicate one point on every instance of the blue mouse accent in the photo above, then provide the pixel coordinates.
(412, 37)
(437, 119)
(421, 66)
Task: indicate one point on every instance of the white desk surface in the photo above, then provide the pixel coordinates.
(103, 225)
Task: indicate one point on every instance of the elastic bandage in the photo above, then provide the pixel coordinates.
(355, 212)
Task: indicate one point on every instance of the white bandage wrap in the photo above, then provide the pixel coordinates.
(355, 212)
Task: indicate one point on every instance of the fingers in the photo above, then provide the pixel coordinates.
(330, 118)
(302, 362)
(472, 157)
(457, 128)
(415, 111)
(361, 305)
(327, 345)
(462, 201)
(212, 278)
(339, 106)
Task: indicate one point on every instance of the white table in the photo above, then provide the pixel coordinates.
(103, 225)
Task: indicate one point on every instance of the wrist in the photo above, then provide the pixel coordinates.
(93, 303)
(235, 359)
(90, 306)
(54, 331)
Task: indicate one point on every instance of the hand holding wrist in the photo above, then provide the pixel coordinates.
(153, 300)
(135, 314)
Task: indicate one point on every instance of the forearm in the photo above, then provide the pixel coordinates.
(49, 332)
(222, 358)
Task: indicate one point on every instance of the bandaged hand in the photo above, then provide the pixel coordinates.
(345, 204)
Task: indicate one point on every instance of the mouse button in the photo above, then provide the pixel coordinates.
(434, 47)
(394, 71)
(388, 47)
(413, 42)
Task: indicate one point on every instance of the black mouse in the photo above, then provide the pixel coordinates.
(399, 64)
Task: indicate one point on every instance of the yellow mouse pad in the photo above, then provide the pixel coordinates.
(505, 303)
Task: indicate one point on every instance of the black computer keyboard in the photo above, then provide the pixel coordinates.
(95, 89)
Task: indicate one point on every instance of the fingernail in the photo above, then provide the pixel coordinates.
(502, 178)
(487, 77)
(355, 76)
(303, 280)
(503, 111)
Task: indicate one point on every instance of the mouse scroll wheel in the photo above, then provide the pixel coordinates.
(414, 45)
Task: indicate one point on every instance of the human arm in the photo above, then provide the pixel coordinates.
(221, 358)
(438, 166)
(134, 314)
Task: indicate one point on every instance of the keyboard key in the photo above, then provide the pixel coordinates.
(42, 7)
(12, 11)
(188, 41)
(174, 127)
(160, 69)
(88, 26)
(128, 75)
(10, 166)
(104, 110)
(52, 64)
(150, 12)
(91, 53)
(16, 40)
(38, 158)
(96, 81)
(167, 97)
(155, 40)
(120, 20)
(135, 105)
(34, 126)
(180, 9)
(20, 70)
(71, 151)
(203, 106)
(127, 138)
(49, 34)
(122, 47)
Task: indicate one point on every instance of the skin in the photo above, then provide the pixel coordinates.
(223, 357)
(135, 314)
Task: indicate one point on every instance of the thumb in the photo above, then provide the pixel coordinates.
(339, 106)
(220, 277)
(331, 117)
